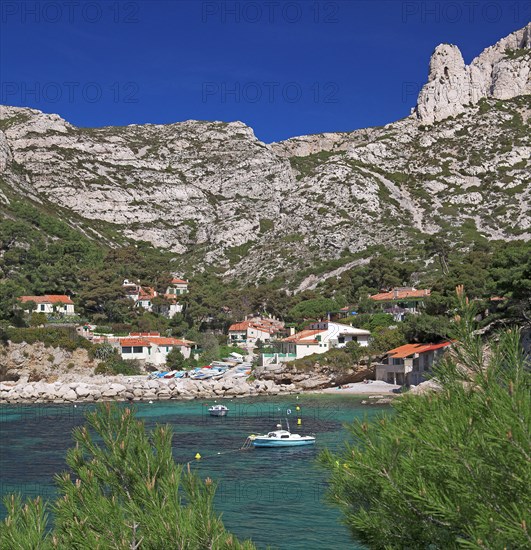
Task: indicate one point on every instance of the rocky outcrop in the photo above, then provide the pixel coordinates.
(318, 377)
(502, 71)
(36, 362)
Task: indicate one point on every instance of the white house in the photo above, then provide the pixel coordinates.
(51, 304)
(320, 337)
(408, 364)
(251, 330)
(151, 347)
(177, 287)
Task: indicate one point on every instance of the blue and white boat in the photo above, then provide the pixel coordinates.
(281, 438)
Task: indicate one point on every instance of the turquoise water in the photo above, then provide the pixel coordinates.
(273, 496)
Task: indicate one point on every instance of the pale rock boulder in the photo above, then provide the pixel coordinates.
(502, 71)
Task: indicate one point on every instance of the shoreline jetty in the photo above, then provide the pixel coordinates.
(135, 388)
(139, 388)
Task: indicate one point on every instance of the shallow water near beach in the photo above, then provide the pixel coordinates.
(276, 497)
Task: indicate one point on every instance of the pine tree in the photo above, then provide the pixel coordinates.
(124, 492)
(449, 469)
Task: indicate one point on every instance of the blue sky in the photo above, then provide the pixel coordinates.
(283, 67)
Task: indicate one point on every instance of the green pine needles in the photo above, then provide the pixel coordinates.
(124, 492)
(450, 469)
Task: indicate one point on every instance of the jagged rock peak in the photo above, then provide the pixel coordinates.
(502, 71)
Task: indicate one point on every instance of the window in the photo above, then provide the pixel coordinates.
(64, 307)
(340, 339)
(42, 307)
(127, 349)
(137, 349)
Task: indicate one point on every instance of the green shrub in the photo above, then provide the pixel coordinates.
(65, 338)
(116, 365)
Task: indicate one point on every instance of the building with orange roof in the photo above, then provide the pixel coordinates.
(251, 330)
(177, 287)
(318, 337)
(51, 304)
(151, 347)
(408, 364)
(401, 301)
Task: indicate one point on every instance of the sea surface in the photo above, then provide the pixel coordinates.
(276, 497)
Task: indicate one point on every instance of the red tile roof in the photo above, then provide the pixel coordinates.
(47, 299)
(410, 349)
(148, 341)
(400, 294)
(176, 281)
(258, 325)
(142, 342)
(146, 293)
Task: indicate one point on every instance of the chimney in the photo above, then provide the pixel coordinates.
(291, 331)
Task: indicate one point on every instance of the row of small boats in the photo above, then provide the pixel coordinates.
(208, 372)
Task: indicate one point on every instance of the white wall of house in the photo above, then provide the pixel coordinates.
(237, 335)
(174, 309)
(337, 335)
(62, 309)
(177, 289)
(303, 350)
(153, 354)
(250, 335)
(146, 304)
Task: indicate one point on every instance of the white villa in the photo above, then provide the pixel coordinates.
(319, 337)
(151, 347)
(408, 364)
(51, 304)
(177, 287)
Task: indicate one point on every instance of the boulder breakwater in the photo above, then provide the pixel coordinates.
(130, 388)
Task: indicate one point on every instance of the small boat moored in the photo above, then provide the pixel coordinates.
(218, 410)
(281, 438)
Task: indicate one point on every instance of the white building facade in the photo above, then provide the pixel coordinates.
(320, 337)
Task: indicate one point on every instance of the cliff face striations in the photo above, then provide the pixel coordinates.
(215, 194)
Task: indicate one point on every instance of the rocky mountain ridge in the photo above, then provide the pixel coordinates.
(214, 194)
(502, 71)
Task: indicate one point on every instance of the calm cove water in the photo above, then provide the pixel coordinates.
(273, 496)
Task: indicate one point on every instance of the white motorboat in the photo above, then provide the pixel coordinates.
(281, 438)
(218, 410)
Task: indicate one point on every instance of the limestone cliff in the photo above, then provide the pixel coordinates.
(502, 71)
(214, 194)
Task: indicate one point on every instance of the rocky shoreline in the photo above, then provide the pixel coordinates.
(129, 388)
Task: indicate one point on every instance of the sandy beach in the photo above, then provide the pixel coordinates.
(372, 387)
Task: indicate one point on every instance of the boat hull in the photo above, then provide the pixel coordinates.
(218, 413)
(279, 443)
